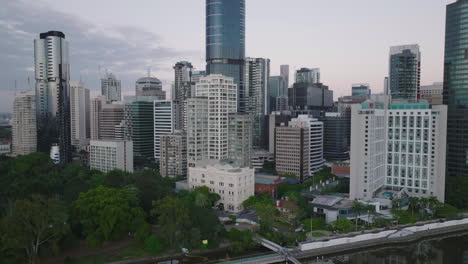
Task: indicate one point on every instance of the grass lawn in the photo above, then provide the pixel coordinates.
(134, 251)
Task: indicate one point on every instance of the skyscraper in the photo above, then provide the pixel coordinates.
(111, 88)
(24, 127)
(360, 89)
(255, 103)
(182, 90)
(52, 74)
(455, 89)
(149, 86)
(306, 75)
(80, 114)
(165, 122)
(225, 40)
(276, 88)
(96, 110)
(284, 72)
(405, 72)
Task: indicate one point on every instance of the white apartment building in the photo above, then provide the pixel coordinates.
(208, 118)
(165, 116)
(79, 114)
(399, 148)
(24, 127)
(5, 148)
(106, 155)
(111, 87)
(315, 133)
(233, 183)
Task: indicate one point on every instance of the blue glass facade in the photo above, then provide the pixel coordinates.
(456, 89)
(225, 39)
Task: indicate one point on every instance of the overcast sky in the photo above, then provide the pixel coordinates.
(348, 40)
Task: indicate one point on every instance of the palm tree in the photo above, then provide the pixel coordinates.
(433, 204)
(357, 209)
(413, 204)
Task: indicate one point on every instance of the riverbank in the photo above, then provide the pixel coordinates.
(408, 234)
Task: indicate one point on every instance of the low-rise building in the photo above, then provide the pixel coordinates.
(341, 169)
(259, 157)
(233, 183)
(332, 208)
(5, 148)
(107, 155)
(267, 183)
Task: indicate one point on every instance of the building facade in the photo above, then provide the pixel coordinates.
(149, 86)
(310, 96)
(455, 89)
(183, 87)
(225, 40)
(335, 140)
(292, 152)
(111, 88)
(240, 139)
(173, 162)
(405, 72)
(232, 182)
(95, 113)
(80, 109)
(52, 74)
(404, 149)
(284, 72)
(361, 89)
(165, 113)
(24, 127)
(306, 75)
(110, 121)
(276, 88)
(107, 155)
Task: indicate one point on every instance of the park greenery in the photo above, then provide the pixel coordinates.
(46, 208)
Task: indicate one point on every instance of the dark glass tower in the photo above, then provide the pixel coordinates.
(225, 41)
(456, 89)
(405, 72)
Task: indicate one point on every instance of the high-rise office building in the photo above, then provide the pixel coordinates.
(308, 75)
(276, 119)
(52, 74)
(95, 113)
(405, 72)
(336, 140)
(284, 72)
(107, 155)
(240, 139)
(310, 96)
(276, 88)
(359, 89)
(183, 87)
(173, 161)
(149, 86)
(24, 127)
(208, 116)
(139, 126)
(398, 149)
(257, 74)
(80, 114)
(455, 89)
(225, 40)
(111, 88)
(165, 122)
(110, 120)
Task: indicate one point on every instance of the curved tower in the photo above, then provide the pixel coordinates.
(225, 40)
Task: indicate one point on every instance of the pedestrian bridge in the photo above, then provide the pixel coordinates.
(277, 248)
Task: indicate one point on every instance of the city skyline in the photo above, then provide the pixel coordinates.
(132, 44)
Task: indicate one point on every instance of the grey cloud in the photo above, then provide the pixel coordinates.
(125, 50)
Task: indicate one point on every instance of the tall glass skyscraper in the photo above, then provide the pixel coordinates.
(405, 72)
(456, 88)
(225, 41)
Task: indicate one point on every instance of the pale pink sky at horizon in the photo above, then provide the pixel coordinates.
(348, 40)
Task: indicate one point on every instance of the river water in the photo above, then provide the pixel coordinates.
(441, 250)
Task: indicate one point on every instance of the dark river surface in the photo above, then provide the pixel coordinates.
(441, 250)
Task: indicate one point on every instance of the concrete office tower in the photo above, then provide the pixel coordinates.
(306, 75)
(196, 75)
(405, 72)
(240, 139)
(107, 155)
(455, 89)
(433, 93)
(361, 89)
(24, 127)
(110, 118)
(292, 151)
(335, 139)
(276, 88)
(52, 74)
(149, 86)
(80, 114)
(207, 118)
(111, 88)
(284, 72)
(165, 122)
(257, 74)
(95, 113)
(225, 40)
(233, 183)
(276, 119)
(400, 149)
(182, 90)
(315, 135)
(173, 162)
(282, 103)
(139, 127)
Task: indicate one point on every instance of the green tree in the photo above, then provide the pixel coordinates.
(342, 225)
(413, 204)
(267, 215)
(34, 224)
(241, 240)
(108, 213)
(357, 209)
(154, 244)
(174, 218)
(447, 211)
